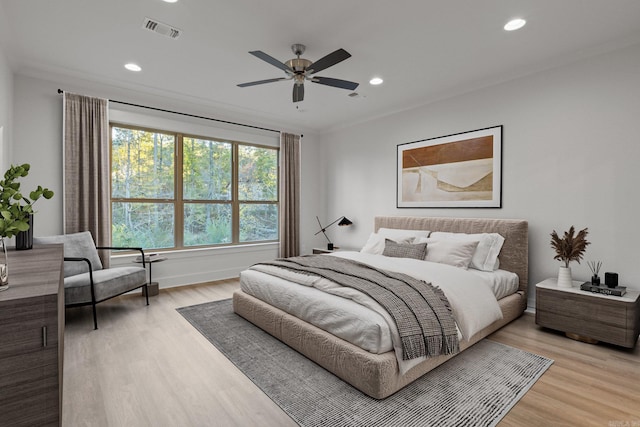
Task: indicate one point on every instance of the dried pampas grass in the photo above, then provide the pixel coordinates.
(570, 247)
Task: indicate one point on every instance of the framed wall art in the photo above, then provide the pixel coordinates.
(463, 170)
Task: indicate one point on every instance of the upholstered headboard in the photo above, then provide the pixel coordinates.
(514, 255)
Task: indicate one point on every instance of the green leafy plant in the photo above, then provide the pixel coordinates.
(15, 207)
(570, 247)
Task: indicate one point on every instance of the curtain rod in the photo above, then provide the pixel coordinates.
(189, 115)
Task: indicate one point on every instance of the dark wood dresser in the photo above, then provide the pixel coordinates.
(589, 316)
(31, 338)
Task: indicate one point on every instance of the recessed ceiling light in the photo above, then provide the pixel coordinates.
(376, 81)
(170, 1)
(515, 24)
(132, 67)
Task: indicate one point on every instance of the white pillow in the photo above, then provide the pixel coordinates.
(485, 257)
(452, 252)
(375, 243)
(399, 233)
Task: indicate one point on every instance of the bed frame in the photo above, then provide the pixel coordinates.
(377, 375)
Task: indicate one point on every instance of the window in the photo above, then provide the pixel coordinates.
(170, 190)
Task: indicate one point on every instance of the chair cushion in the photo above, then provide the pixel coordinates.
(78, 245)
(107, 283)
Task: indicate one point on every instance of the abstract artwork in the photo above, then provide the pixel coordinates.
(462, 170)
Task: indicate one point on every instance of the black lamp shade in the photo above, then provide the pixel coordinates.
(344, 221)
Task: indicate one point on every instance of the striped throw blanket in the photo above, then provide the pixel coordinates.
(420, 310)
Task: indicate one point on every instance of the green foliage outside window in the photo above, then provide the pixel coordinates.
(206, 169)
(257, 174)
(258, 222)
(147, 225)
(142, 164)
(207, 224)
(145, 210)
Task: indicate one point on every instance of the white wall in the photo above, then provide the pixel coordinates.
(571, 149)
(38, 140)
(6, 111)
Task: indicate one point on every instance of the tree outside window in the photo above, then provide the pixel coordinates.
(170, 190)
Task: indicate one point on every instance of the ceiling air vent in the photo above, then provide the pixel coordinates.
(161, 28)
(356, 95)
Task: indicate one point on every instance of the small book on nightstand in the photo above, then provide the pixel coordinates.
(618, 291)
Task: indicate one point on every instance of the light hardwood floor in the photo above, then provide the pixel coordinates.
(147, 366)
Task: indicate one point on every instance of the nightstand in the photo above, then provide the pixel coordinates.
(317, 251)
(589, 316)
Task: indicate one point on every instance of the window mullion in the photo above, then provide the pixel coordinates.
(179, 201)
(235, 205)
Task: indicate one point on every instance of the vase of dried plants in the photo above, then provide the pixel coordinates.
(569, 247)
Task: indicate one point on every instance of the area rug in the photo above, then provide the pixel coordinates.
(475, 388)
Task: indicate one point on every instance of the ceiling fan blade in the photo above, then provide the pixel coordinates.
(298, 92)
(342, 84)
(271, 60)
(328, 61)
(260, 82)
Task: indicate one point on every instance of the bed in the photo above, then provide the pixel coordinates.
(379, 374)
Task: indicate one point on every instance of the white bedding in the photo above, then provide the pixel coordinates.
(356, 318)
(502, 283)
(342, 317)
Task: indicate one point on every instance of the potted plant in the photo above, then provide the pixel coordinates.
(16, 210)
(569, 247)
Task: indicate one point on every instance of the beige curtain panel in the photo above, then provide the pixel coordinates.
(289, 195)
(86, 168)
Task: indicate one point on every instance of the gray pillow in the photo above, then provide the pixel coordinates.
(404, 250)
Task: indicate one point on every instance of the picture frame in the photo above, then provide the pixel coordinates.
(461, 170)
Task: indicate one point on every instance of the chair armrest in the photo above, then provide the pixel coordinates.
(80, 259)
(93, 292)
(125, 248)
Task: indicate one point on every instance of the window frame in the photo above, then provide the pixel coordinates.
(178, 200)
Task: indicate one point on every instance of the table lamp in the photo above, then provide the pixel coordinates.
(342, 221)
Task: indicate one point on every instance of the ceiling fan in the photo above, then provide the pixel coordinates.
(300, 69)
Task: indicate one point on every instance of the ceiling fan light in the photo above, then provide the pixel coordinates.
(514, 24)
(376, 81)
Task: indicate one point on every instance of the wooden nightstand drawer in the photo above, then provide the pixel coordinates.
(584, 308)
(588, 328)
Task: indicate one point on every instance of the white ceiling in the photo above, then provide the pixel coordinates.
(424, 49)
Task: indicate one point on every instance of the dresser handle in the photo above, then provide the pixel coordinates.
(44, 336)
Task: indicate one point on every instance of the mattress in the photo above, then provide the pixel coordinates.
(340, 316)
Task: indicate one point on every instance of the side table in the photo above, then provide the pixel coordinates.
(587, 316)
(317, 251)
(154, 288)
